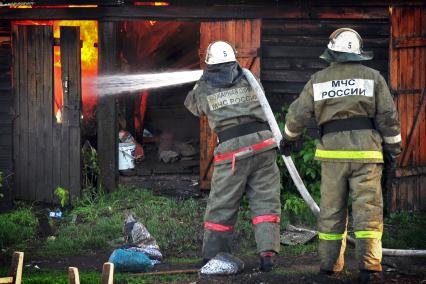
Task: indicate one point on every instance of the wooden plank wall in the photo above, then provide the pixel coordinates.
(72, 104)
(107, 109)
(6, 107)
(33, 85)
(291, 47)
(408, 82)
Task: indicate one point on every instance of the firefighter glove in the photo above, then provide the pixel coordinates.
(390, 163)
(287, 146)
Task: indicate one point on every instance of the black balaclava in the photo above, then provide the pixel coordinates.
(223, 75)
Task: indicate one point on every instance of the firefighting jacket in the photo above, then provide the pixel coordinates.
(228, 107)
(342, 91)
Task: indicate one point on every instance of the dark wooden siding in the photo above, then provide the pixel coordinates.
(290, 51)
(6, 100)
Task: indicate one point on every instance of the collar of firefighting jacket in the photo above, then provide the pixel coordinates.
(335, 56)
(223, 75)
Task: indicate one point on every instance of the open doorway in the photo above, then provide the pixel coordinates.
(167, 135)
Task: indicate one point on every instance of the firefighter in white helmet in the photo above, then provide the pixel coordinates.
(359, 123)
(244, 161)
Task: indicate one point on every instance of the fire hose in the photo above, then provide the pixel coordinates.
(295, 174)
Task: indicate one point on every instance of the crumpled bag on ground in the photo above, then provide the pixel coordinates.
(139, 239)
(127, 260)
(223, 264)
(186, 149)
(168, 156)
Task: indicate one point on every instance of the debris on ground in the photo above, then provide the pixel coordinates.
(168, 156)
(139, 239)
(223, 264)
(186, 150)
(127, 260)
(140, 252)
(297, 236)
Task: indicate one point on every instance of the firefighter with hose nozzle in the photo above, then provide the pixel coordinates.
(244, 159)
(360, 130)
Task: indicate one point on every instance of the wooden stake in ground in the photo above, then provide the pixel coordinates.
(15, 269)
(73, 275)
(108, 273)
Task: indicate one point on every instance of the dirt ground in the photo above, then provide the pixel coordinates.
(180, 186)
(300, 269)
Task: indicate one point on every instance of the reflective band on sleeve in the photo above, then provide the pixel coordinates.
(266, 218)
(289, 133)
(368, 235)
(331, 237)
(217, 227)
(336, 154)
(392, 139)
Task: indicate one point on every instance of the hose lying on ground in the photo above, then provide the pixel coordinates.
(295, 174)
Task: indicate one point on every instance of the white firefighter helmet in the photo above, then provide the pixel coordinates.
(220, 52)
(345, 40)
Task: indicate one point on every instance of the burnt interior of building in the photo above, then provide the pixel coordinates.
(157, 118)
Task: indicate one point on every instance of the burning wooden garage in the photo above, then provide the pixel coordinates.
(278, 40)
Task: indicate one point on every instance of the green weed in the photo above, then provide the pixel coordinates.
(63, 195)
(18, 228)
(309, 169)
(405, 230)
(299, 249)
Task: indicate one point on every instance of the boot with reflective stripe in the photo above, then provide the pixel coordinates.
(267, 261)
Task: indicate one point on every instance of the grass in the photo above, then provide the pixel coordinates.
(43, 276)
(299, 249)
(94, 225)
(176, 225)
(18, 228)
(183, 260)
(405, 231)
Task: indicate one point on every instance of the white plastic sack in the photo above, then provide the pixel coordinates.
(140, 240)
(223, 264)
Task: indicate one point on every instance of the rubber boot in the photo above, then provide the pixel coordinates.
(267, 261)
(329, 273)
(369, 276)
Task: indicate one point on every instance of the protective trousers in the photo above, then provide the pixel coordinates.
(258, 176)
(363, 182)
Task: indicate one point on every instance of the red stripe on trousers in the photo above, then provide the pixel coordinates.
(266, 218)
(217, 227)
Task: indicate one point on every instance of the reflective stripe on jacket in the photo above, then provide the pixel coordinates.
(347, 90)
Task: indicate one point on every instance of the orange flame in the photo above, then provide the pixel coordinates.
(139, 3)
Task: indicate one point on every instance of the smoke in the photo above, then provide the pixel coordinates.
(117, 84)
